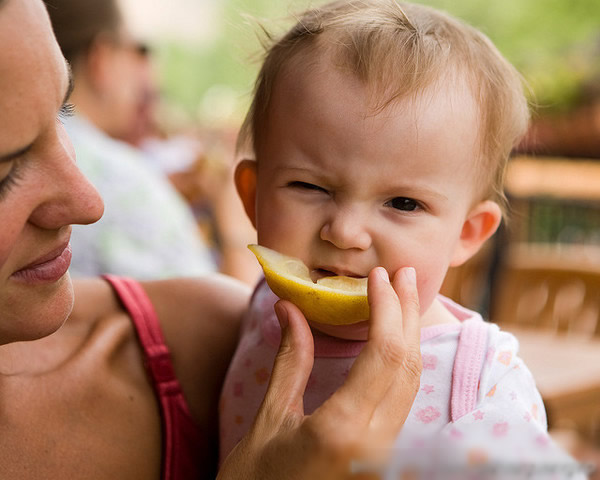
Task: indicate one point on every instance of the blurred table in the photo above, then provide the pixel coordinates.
(574, 179)
(567, 373)
(554, 200)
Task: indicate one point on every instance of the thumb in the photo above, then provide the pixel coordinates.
(292, 367)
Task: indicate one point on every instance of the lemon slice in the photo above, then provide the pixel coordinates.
(338, 300)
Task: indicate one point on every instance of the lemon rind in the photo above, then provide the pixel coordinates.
(345, 312)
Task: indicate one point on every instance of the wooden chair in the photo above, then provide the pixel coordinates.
(551, 302)
(549, 291)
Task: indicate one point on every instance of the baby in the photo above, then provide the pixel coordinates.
(378, 135)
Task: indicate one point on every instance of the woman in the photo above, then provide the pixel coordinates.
(76, 400)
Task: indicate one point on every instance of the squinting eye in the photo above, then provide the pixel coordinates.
(404, 204)
(307, 186)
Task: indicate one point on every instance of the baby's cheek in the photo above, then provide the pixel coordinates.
(427, 294)
(429, 282)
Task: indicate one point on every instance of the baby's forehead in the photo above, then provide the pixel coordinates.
(382, 81)
(332, 96)
(316, 73)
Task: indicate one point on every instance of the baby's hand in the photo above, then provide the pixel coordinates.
(359, 420)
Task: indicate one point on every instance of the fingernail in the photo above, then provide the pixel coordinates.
(382, 272)
(282, 315)
(410, 274)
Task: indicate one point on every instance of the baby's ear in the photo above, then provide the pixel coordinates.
(481, 223)
(245, 182)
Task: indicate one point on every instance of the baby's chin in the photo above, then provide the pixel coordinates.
(356, 331)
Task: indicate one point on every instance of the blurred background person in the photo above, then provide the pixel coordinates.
(148, 229)
(198, 162)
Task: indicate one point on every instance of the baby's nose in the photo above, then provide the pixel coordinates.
(346, 228)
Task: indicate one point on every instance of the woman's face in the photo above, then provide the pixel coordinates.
(42, 191)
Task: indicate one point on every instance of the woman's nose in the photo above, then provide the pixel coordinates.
(67, 197)
(346, 229)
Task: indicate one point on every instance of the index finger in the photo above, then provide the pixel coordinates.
(386, 355)
(392, 411)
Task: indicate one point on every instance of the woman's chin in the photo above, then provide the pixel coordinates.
(35, 312)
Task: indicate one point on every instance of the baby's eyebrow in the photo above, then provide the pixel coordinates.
(417, 191)
(429, 192)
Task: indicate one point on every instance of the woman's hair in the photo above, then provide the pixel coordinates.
(77, 23)
(399, 50)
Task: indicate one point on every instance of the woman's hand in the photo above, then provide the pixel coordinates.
(360, 421)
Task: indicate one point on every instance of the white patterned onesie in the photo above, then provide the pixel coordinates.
(478, 413)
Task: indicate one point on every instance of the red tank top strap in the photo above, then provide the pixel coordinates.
(181, 437)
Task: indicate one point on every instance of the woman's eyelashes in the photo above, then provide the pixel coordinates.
(67, 110)
(11, 180)
(307, 186)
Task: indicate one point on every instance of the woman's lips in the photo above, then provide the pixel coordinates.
(47, 269)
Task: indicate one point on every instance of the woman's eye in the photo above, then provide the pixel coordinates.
(11, 170)
(404, 204)
(10, 180)
(307, 186)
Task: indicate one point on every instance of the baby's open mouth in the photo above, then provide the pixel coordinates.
(320, 273)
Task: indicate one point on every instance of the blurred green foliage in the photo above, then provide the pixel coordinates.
(554, 43)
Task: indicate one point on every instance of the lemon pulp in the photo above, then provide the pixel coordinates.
(337, 300)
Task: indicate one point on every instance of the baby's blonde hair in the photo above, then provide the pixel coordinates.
(398, 50)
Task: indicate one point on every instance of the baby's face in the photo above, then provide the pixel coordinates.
(346, 190)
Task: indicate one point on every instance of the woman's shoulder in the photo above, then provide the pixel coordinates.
(192, 299)
(83, 371)
(94, 300)
(182, 304)
(200, 319)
